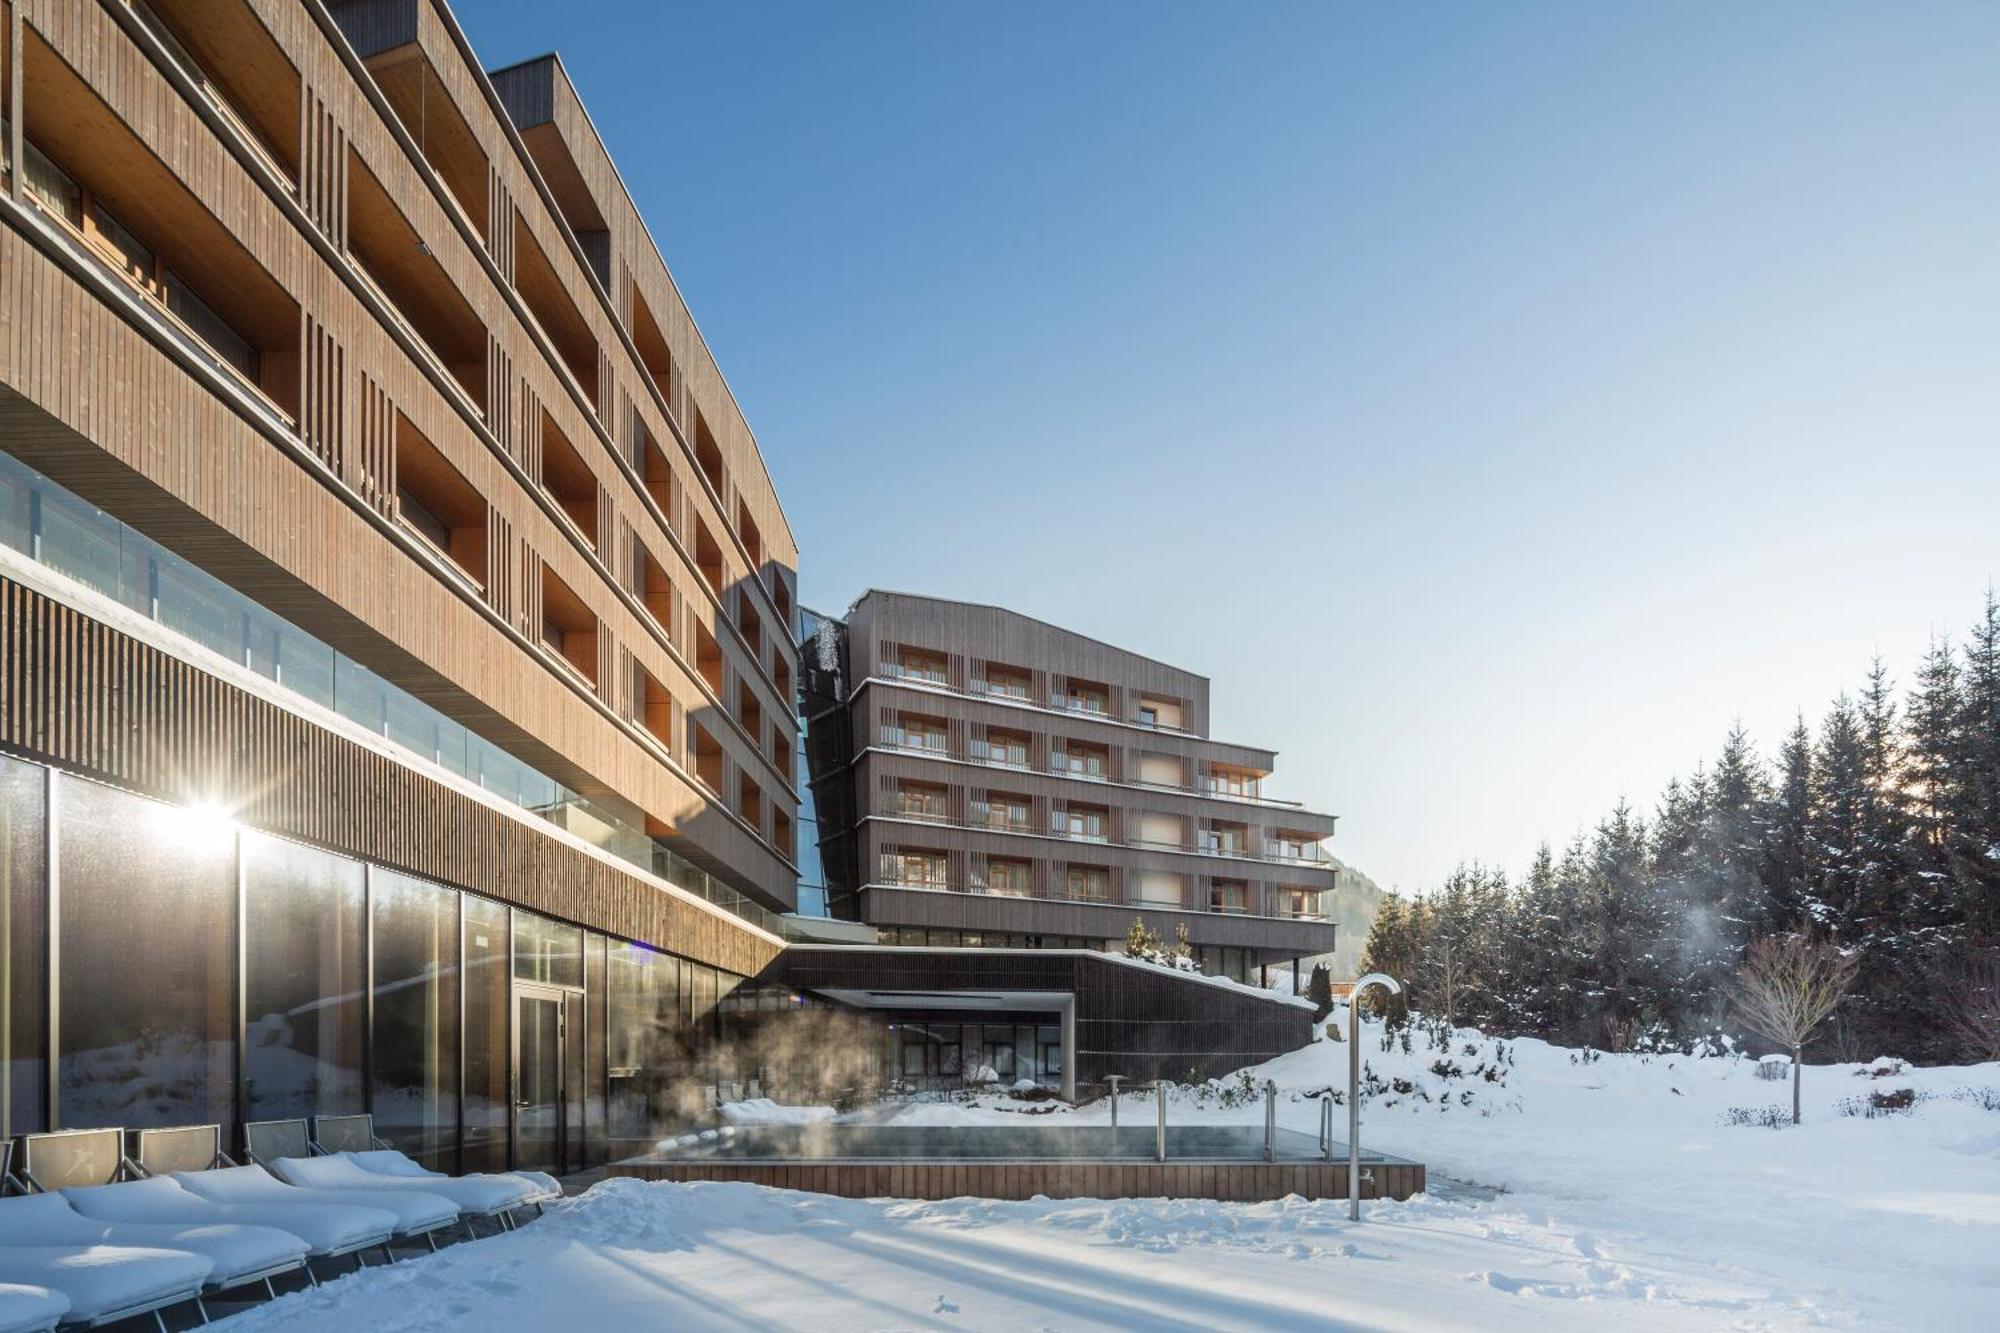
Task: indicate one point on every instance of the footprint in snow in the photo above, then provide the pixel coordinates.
(944, 1306)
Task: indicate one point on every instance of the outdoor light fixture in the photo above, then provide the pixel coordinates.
(1394, 987)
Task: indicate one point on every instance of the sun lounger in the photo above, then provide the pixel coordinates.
(474, 1196)
(106, 1283)
(354, 1136)
(237, 1254)
(417, 1214)
(327, 1230)
(26, 1309)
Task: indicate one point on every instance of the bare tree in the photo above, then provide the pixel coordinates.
(1450, 980)
(1787, 987)
(1973, 1006)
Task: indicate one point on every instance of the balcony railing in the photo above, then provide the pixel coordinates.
(1063, 893)
(999, 818)
(999, 756)
(1002, 689)
(1080, 704)
(902, 671)
(929, 742)
(1305, 853)
(929, 814)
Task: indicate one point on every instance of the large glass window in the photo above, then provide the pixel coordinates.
(304, 912)
(415, 1039)
(148, 967)
(647, 1055)
(595, 1049)
(547, 951)
(488, 995)
(23, 961)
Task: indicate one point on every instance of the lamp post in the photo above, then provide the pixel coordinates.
(1394, 987)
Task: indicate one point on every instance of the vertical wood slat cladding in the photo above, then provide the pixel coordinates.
(1242, 1182)
(323, 168)
(81, 695)
(323, 394)
(500, 570)
(500, 240)
(377, 438)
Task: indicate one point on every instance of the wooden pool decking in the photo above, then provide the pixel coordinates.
(1236, 1181)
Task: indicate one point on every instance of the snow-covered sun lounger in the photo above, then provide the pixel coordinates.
(353, 1136)
(104, 1283)
(417, 1214)
(26, 1309)
(542, 1188)
(237, 1254)
(327, 1229)
(478, 1196)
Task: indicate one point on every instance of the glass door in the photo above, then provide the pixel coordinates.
(538, 1078)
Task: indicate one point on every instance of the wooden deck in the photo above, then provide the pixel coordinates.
(990, 1179)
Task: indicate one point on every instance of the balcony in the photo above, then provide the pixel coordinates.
(1297, 851)
(1002, 689)
(923, 673)
(924, 742)
(999, 818)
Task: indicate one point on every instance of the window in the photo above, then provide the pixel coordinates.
(1088, 883)
(707, 657)
(921, 869)
(211, 328)
(435, 501)
(708, 453)
(707, 758)
(1007, 748)
(1004, 810)
(750, 801)
(148, 977)
(24, 915)
(1009, 877)
(920, 733)
(48, 185)
(414, 1044)
(921, 801)
(652, 707)
(1006, 681)
(569, 480)
(918, 664)
(1082, 761)
(489, 999)
(1149, 716)
(1228, 896)
(547, 952)
(569, 630)
(304, 918)
(648, 1054)
(1086, 823)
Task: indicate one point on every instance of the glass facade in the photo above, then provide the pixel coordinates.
(306, 1015)
(23, 961)
(928, 1056)
(56, 528)
(189, 949)
(489, 998)
(147, 970)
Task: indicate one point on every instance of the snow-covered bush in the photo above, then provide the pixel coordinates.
(1761, 1117)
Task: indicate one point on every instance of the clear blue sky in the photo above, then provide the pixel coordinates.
(1495, 400)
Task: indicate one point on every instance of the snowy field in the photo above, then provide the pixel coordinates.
(1625, 1202)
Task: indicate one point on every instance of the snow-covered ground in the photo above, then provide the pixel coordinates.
(1625, 1198)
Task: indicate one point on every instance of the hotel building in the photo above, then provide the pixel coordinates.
(398, 683)
(983, 778)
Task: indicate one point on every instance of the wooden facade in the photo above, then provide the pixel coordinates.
(1003, 776)
(390, 373)
(1241, 1182)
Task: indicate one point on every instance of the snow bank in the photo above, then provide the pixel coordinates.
(764, 1111)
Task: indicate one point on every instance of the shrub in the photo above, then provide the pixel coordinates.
(1760, 1117)
(1883, 1102)
(1986, 1099)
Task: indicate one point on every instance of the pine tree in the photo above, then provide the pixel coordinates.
(1788, 862)
(1975, 844)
